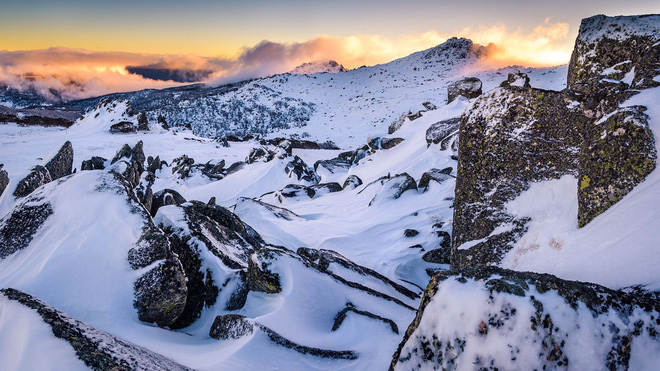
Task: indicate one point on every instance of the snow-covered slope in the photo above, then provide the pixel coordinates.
(318, 67)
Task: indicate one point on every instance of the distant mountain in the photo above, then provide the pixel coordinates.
(318, 67)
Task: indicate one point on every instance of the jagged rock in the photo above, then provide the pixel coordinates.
(97, 349)
(510, 137)
(137, 157)
(165, 197)
(325, 188)
(438, 256)
(617, 155)
(182, 166)
(129, 162)
(446, 239)
(527, 321)
(389, 143)
(440, 131)
(350, 308)
(469, 87)
(352, 182)
(62, 163)
(143, 122)
(4, 180)
(124, 152)
(37, 177)
(163, 122)
(301, 171)
(333, 165)
(297, 190)
(261, 154)
(95, 163)
(410, 232)
(516, 79)
(214, 171)
(436, 175)
(394, 187)
(154, 165)
(231, 326)
(353, 157)
(123, 127)
(18, 228)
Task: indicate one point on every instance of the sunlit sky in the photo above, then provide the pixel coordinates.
(227, 37)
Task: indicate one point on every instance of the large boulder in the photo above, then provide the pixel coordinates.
(17, 228)
(435, 175)
(441, 131)
(165, 197)
(492, 318)
(298, 169)
(61, 164)
(393, 187)
(231, 326)
(469, 87)
(352, 182)
(95, 163)
(124, 127)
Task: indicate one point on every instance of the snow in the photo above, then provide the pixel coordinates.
(318, 67)
(619, 28)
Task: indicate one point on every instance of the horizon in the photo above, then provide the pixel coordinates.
(84, 50)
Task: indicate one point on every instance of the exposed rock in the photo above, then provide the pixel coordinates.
(125, 127)
(143, 122)
(516, 79)
(95, 163)
(37, 177)
(261, 154)
(325, 188)
(97, 349)
(509, 138)
(393, 187)
(279, 212)
(389, 143)
(317, 352)
(618, 154)
(4, 180)
(436, 175)
(236, 166)
(260, 277)
(214, 171)
(440, 131)
(297, 190)
(154, 165)
(298, 168)
(333, 165)
(438, 256)
(410, 232)
(352, 182)
(165, 197)
(429, 106)
(350, 308)
(396, 124)
(18, 228)
(527, 321)
(182, 166)
(61, 164)
(469, 87)
(231, 326)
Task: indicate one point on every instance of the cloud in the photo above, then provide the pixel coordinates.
(75, 73)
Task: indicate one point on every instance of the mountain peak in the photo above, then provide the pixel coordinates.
(328, 66)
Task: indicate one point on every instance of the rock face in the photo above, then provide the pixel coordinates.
(4, 180)
(469, 87)
(522, 320)
(99, 350)
(231, 326)
(509, 138)
(38, 177)
(62, 163)
(18, 228)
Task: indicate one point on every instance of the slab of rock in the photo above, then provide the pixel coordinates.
(61, 164)
(37, 177)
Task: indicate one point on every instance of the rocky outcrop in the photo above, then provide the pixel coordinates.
(436, 175)
(260, 154)
(95, 163)
(352, 182)
(508, 138)
(516, 79)
(523, 320)
(298, 169)
(61, 164)
(231, 326)
(17, 229)
(161, 293)
(35, 179)
(4, 180)
(469, 87)
(129, 162)
(165, 197)
(97, 349)
(350, 308)
(182, 166)
(124, 127)
(392, 187)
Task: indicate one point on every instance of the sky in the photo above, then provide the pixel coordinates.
(92, 42)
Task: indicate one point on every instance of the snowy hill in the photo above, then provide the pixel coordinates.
(514, 227)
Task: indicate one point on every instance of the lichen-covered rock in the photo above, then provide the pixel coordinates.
(124, 127)
(61, 164)
(95, 163)
(298, 169)
(440, 131)
(469, 87)
(487, 317)
(618, 153)
(261, 276)
(4, 180)
(160, 294)
(231, 326)
(37, 177)
(98, 349)
(439, 256)
(509, 138)
(435, 175)
(352, 182)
